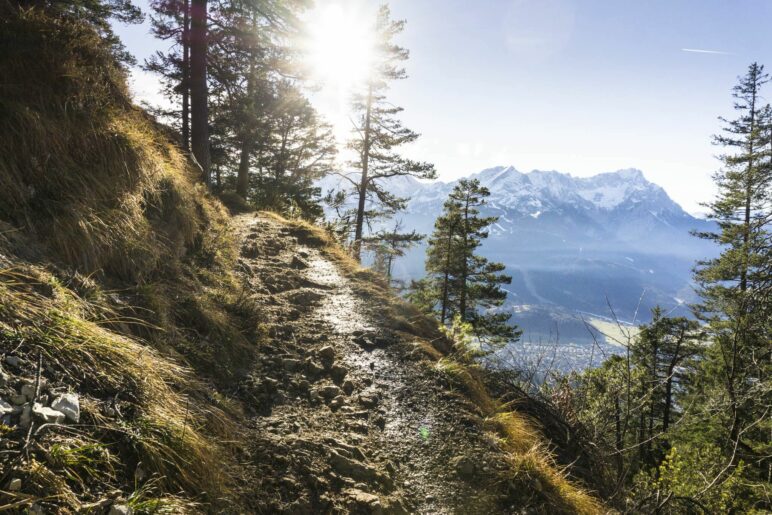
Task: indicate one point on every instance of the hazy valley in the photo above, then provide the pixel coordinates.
(583, 253)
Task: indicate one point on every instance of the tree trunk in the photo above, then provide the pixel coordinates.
(242, 180)
(186, 76)
(364, 182)
(446, 278)
(199, 110)
(465, 266)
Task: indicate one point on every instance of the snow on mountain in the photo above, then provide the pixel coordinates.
(572, 244)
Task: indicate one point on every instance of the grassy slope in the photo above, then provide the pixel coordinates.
(115, 269)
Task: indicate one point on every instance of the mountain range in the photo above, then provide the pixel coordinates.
(607, 247)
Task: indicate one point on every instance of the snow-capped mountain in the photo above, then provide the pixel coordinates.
(573, 244)
(619, 207)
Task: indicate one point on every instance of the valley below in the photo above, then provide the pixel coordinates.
(589, 257)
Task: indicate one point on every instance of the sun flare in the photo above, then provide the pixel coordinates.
(340, 45)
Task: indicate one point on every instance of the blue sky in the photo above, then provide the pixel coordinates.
(579, 86)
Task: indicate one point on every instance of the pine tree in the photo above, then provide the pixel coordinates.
(387, 245)
(171, 22)
(98, 14)
(378, 133)
(467, 285)
(296, 150)
(247, 90)
(735, 287)
(199, 89)
(660, 353)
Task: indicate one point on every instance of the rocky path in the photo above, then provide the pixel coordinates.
(348, 416)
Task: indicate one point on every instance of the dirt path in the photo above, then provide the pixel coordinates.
(349, 419)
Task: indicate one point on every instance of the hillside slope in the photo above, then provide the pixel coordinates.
(158, 355)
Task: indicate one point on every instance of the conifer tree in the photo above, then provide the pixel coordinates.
(389, 244)
(467, 285)
(296, 149)
(660, 353)
(171, 22)
(378, 133)
(199, 89)
(735, 287)
(98, 14)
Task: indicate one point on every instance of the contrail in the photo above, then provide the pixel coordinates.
(701, 51)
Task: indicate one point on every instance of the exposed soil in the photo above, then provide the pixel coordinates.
(350, 416)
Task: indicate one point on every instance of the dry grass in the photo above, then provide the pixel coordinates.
(170, 427)
(115, 264)
(530, 461)
(78, 161)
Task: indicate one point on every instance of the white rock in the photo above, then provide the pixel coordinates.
(120, 509)
(47, 415)
(6, 408)
(68, 404)
(4, 377)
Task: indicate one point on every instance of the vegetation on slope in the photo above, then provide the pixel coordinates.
(108, 237)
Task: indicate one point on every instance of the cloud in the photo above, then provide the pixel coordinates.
(703, 51)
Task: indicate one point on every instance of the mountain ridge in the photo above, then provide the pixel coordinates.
(614, 241)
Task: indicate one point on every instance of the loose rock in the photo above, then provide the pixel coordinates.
(121, 509)
(349, 387)
(48, 415)
(14, 485)
(69, 404)
(337, 402)
(353, 469)
(298, 263)
(327, 356)
(369, 400)
(464, 466)
(313, 368)
(6, 408)
(14, 361)
(329, 391)
(363, 502)
(291, 365)
(338, 373)
(28, 390)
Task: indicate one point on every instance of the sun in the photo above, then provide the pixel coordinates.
(339, 45)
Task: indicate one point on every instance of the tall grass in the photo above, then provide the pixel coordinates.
(90, 174)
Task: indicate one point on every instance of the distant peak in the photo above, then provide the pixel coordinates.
(629, 175)
(492, 175)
